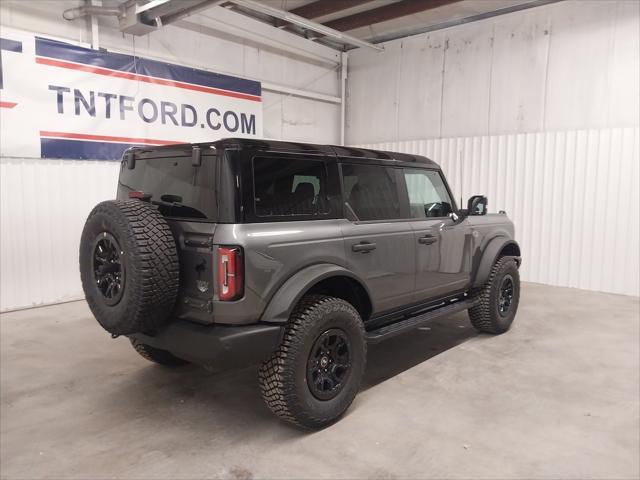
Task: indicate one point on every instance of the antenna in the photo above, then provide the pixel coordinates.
(461, 175)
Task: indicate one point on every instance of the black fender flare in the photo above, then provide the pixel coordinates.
(490, 256)
(287, 296)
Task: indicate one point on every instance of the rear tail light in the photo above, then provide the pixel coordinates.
(140, 195)
(230, 281)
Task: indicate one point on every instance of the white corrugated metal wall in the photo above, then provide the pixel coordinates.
(570, 65)
(44, 203)
(539, 110)
(573, 196)
(43, 207)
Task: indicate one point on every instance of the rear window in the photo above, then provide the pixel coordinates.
(289, 187)
(177, 187)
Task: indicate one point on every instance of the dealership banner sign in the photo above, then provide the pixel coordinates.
(59, 100)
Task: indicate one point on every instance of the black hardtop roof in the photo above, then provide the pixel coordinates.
(275, 145)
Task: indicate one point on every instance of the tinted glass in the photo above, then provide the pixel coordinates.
(371, 192)
(428, 196)
(175, 185)
(284, 187)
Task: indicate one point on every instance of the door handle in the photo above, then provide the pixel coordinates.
(363, 247)
(427, 240)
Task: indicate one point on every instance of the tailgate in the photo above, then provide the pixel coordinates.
(195, 252)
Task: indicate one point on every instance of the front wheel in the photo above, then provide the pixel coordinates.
(497, 300)
(314, 375)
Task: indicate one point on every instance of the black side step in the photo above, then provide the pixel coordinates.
(397, 328)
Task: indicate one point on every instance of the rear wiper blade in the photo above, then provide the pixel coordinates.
(167, 204)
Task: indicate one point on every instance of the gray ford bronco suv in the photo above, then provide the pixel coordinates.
(292, 256)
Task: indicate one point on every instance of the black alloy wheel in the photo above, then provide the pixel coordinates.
(314, 375)
(108, 268)
(329, 364)
(505, 298)
(496, 302)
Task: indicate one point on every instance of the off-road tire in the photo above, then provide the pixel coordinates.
(157, 355)
(485, 316)
(283, 378)
(150, 259)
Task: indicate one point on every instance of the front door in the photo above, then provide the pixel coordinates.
(378, 243)
(442, 246)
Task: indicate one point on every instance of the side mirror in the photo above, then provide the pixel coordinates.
(477, 205)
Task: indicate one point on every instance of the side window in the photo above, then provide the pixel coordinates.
(371, 191)
(428, 196)
(284, 187)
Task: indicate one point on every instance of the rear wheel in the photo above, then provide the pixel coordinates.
(157, 355)
(497, 300)
(314, 375)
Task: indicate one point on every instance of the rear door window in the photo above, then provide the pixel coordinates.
(286, 187)
(371, 191)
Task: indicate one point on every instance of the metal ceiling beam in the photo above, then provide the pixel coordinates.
(139, 18)
(305, 23)
(222, 22)
(387, 37)
(188, 7)
(90, 10)
(321, 8)
(387, 12)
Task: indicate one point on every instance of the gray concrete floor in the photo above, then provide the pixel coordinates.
(556, 397)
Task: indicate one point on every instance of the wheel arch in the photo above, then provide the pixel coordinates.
(327, 279)
(496, 248)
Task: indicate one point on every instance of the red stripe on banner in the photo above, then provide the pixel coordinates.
(143, 78)
(107, 138)
(7, 104)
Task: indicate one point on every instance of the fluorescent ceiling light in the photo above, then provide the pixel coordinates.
(150, 5)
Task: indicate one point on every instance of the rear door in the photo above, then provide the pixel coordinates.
(442, 246)
(186, 195)
(378, 241)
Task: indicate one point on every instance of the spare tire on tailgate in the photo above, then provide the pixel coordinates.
(129, 266)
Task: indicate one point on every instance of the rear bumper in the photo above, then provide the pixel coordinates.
(216, 346)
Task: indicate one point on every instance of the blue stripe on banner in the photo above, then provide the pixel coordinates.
(80, 150)
(10, 45)
(126, 63)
